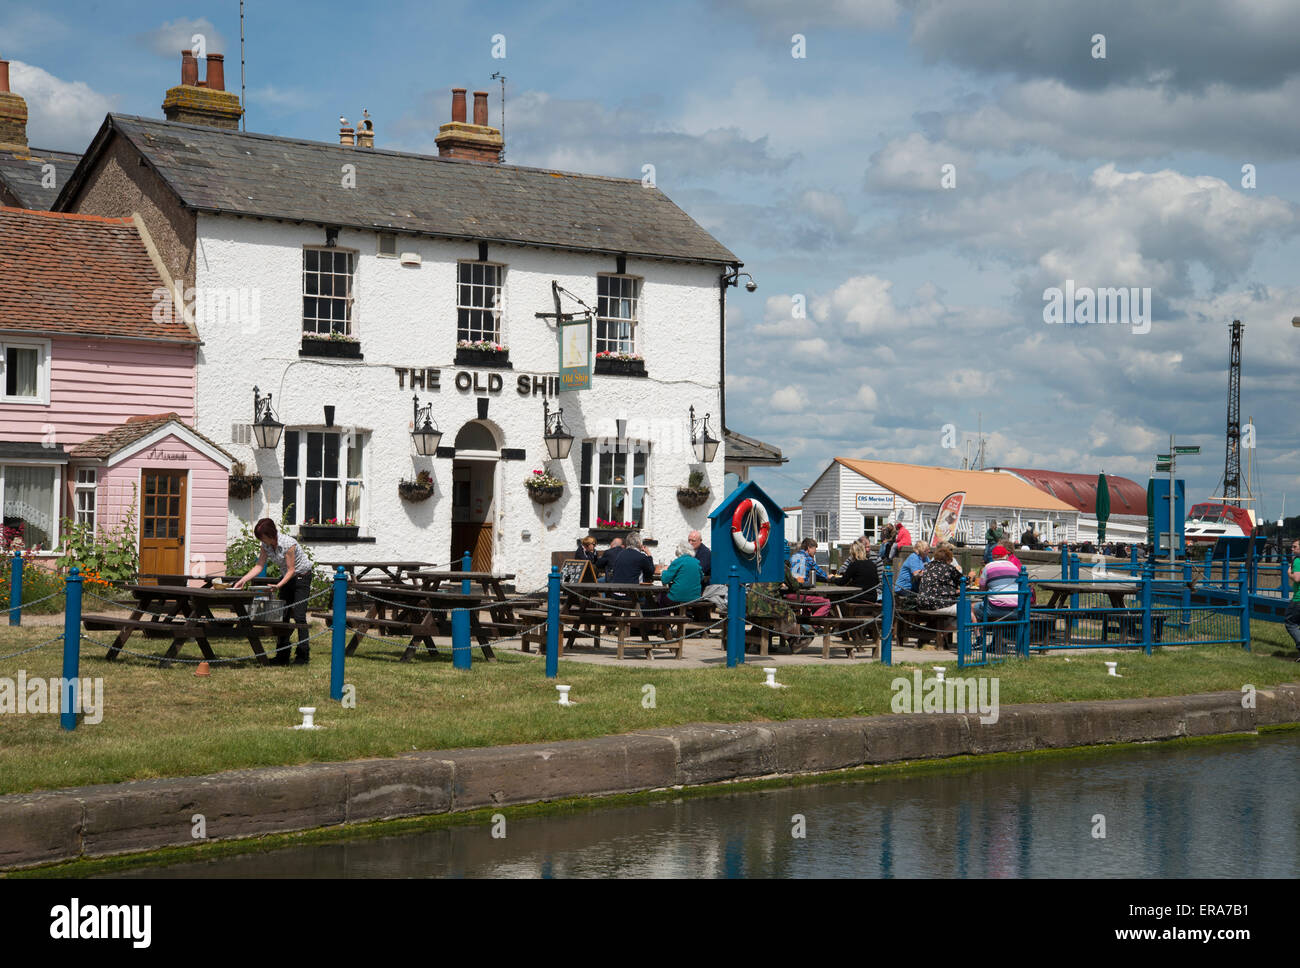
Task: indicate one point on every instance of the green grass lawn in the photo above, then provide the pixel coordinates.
(167, 722)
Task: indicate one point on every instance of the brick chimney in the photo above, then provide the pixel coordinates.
(365, 131)
(13, 114)
(203, 102)
(477, 141)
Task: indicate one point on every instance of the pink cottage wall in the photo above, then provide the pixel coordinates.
(95, 385)
(206, 491)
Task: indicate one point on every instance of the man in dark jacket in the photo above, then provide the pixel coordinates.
(632, 565)
(605, 563)
(702, 553)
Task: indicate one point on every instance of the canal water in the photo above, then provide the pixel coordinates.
(1229, 809)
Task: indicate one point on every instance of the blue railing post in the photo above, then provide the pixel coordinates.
(887, 617)
(1187, 592)
(340, 630)
(1022, 633)
(1074, 599)
(1285, 565)
(71, 649)
(465, 565)
(460, 646)
(553, 623)
(1133, 559)
(1146, 609)
(1245, 617)
(1065, 563)
(1252, 568)
(963, 624)
(16, 590)
(735, 619)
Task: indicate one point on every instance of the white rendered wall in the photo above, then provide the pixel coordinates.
(405, 317)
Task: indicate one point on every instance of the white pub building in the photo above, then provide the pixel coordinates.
(355, 296)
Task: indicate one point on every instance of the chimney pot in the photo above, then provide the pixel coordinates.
(458, 104)
(4, 77)
(346, 133)
(216, 79)
(480, 108)
(189, 68)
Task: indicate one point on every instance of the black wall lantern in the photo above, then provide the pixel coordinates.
(558, 439)
(705, 447)
(424, 432)
(266, 429)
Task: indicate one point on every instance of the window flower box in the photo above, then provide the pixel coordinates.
(336, 347)
(620, 364)
(483, 353)
(333, 530)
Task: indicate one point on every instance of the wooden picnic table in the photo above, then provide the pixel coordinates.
(851, 606)
(415, 613)
(1061, 590)
(381, 571)
(1042, 627)
(183, 612)
(625, 606)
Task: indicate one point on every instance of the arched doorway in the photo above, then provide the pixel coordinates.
(473, 494)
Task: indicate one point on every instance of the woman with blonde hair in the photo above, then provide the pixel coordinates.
(861, 569)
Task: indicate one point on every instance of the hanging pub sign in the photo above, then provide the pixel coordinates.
(575, 354)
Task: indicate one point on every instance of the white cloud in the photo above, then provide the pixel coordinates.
(789, 399)
(915, 163)
(177, 35)
(781, 16)
(61, 115)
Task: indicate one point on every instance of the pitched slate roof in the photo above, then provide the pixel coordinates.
(23, 172)
(109, 443)
(930, 485)
(81, 275)
(1080, 490)
(233, 172)
(751, 450)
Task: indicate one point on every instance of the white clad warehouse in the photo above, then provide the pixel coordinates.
(344, 301)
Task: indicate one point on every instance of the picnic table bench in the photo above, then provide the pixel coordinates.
(628, 609)
(414, 613)
(184, 612)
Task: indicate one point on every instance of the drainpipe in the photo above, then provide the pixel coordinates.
(722, 355)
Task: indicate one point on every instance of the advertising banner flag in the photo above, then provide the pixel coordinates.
(945, 522)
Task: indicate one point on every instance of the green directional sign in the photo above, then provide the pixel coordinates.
(1193, 449)
(1164, 457)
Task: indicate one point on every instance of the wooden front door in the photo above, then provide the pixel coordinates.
(477, 540)
(162, 523)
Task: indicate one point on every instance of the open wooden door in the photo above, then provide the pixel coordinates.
(162, 523)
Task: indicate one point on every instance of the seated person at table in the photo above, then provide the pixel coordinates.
(605, 563)
(684, 577)
(587, 549)
(999, 576)
(903, 537)
(803, 563)
(860, 570)
(801, 568)
(294, 585)
(632, 565)
(702, 553)
(940, 583)
(910, 573)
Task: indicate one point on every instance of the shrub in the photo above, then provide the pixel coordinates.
(105, 557)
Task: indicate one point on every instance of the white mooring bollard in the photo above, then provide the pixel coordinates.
(771, 678)
(938, 672)
(564, 695)
(1110, 670)
(308, 718)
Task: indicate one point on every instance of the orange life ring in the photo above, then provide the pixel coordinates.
(763, 527)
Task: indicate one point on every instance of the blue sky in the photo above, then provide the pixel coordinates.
(823, 172)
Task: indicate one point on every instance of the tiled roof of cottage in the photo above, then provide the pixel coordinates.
(80, 275)
(23, 173)
(109, 443)
(218, 170)
(750, 450)
(930, 485)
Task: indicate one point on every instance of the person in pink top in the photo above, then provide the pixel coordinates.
(1001, 577)
(903, 537)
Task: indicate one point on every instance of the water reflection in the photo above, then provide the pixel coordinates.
(1226, 810)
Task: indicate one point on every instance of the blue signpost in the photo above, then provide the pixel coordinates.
(748, 544)
(340, 633)
(16, 590)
